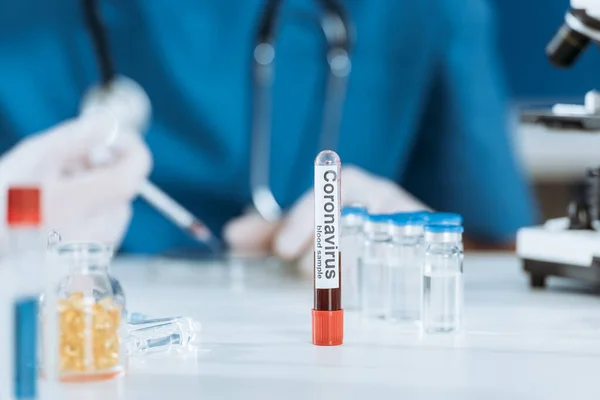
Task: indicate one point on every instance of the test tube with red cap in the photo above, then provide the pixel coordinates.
(23, 271)
(327, 314)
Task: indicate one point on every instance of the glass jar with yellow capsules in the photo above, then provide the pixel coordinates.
(90, 304)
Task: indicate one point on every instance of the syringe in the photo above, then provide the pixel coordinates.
(128, 105)
(181, 217)
(167, 206)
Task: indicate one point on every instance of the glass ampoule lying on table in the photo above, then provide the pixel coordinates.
(160, 335)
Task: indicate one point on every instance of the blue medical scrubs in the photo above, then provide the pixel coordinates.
(425, 107)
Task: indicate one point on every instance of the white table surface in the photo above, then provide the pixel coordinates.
(255, 340)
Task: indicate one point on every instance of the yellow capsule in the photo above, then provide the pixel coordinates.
(70, 350)
(116, 317)
(107, 303)
(105, 319)
(63, 305)
(76, 300)
(102, 323)
(69, 316)
(111, 343)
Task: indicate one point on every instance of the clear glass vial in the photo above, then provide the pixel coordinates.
(92, 327)
(442, 296)
(404, 268)
(374, 265)
(353, 219)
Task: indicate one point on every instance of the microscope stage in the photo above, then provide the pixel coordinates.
(565, 253)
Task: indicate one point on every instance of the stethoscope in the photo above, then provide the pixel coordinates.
(336, 28)
(337, 32)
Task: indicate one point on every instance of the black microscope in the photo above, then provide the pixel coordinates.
(570, 246)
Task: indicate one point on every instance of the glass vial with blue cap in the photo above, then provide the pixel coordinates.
(374, 266)
(404, 268)
(442, 298)
(353, 219)
(443, 218)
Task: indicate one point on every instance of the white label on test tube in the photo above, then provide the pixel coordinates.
(327, 233)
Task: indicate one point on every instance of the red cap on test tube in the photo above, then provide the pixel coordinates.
(327, 314)
(23, 206)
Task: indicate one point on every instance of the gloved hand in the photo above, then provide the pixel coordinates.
(292, 238)
(81, 201)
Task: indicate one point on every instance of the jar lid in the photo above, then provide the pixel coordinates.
(24, 206)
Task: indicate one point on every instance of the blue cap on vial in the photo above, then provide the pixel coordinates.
(443, 233)
(407, 224)
(443, 218)
(354, 210)
(443, 228)
(378, 224)
(408, 218)
(380, 218)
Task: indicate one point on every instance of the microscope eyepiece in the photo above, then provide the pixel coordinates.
(566, 45)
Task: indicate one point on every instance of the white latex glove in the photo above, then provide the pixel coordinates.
(292, 238)
(81, 202)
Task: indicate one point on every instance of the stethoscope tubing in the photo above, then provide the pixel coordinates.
(338, 35)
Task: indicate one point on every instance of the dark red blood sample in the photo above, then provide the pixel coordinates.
(330, 299)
